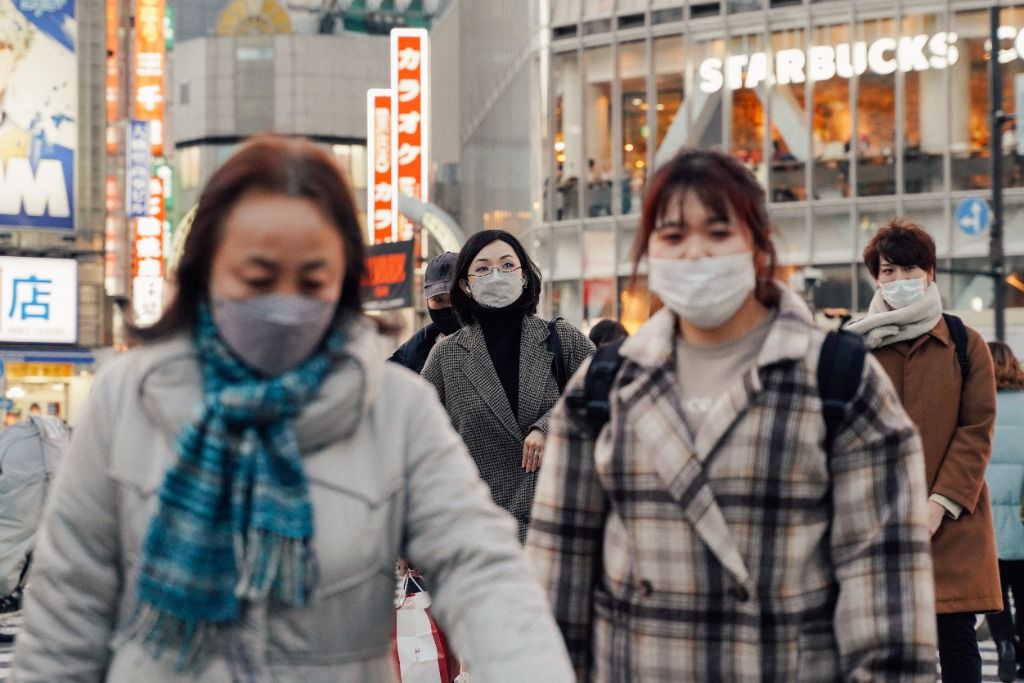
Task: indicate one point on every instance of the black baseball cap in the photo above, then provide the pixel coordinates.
(438, 278)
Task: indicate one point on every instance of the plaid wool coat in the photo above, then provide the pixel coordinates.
(461, 370)
(747, 553)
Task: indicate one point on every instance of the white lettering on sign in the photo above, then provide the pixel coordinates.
(409, 122)
(757, 70)
(408, 60)
(42, 192)
(408, 90)
(789, 66)
(851, 59)
(821, 62)
(878, 61)
(711, 79)
(884, 56)
(910, 53)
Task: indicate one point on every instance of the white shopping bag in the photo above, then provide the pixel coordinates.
(422, 652)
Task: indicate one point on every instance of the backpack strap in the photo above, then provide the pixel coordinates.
(958, 332)
(557, 355)
(840, 367)
(594, 405)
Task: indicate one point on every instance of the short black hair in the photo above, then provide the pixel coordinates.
(463, 303)
(607, 332)
(902, 243)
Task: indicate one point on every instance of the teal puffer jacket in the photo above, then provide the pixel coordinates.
(1005, 475)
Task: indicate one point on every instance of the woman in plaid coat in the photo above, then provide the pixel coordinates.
(707, 533)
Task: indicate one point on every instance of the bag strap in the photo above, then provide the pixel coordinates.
(840, 366)
(958, 332)
(594, 405)
(557, 355)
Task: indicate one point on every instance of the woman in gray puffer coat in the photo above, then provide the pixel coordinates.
(236, 495)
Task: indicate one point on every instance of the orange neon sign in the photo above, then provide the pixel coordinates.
(381, 211)
(410, 111)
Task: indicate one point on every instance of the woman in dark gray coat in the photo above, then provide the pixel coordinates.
(496, 376)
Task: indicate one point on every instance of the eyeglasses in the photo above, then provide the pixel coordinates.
(484, 271)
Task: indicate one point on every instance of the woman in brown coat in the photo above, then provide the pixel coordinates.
(953, 403)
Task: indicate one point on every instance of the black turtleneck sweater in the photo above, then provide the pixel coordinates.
(503, 332)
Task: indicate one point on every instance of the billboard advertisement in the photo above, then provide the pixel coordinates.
(38, 113)
(388, 280)
(38, 300)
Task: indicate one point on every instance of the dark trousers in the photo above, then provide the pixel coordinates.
(959, 656)
(1003, 625)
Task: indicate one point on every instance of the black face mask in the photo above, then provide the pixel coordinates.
(445, 319)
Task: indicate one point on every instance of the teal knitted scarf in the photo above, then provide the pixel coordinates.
(234, 522)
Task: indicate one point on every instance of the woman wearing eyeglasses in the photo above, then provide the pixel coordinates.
(497, 375)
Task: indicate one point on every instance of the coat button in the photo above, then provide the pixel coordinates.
(647, 587)
(740, 593)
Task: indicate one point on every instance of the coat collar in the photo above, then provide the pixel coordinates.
(654, 344)
(171, 387)
(651, 394)
(534, 372)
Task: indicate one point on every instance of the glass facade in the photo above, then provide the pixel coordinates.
(848, 114)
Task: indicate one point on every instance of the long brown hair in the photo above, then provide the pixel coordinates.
(1009, 375)
(293, 167)
(724, 186)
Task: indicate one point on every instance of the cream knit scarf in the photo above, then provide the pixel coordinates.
(884, 325)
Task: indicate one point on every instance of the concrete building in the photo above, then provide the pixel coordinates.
(849, 113)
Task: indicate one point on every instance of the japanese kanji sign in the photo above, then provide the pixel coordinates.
(38, 300)
(381, 204)
(409, 112)
(139, 162)
(150, 53)
(148, 262)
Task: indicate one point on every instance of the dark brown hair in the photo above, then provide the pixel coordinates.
(293, 167)
(1009, 375)
(463, 303)
(724, 186)
(901, 243)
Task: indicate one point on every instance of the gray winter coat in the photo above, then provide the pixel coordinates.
(460, 368)
(29, 454)
(388, 477)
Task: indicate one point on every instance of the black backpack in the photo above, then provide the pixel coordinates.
(958, 331)
(840, 366)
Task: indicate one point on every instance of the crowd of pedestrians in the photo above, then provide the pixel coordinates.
(731, 493)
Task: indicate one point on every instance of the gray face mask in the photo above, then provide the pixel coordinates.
(497, 289)
(272, 334)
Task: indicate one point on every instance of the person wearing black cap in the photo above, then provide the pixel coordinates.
(443, 322)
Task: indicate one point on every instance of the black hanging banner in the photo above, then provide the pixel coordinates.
(388, 281)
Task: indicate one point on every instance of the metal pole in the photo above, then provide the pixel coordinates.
(996, 256)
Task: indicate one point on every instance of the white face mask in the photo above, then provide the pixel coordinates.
(497, 289)
(902, 293)
(705, 292)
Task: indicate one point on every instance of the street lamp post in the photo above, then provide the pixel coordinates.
(997, 258)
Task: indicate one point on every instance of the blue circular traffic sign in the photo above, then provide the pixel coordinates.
(973, 216)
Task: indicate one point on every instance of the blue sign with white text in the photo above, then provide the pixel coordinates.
(139, 161)
(973, 216)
